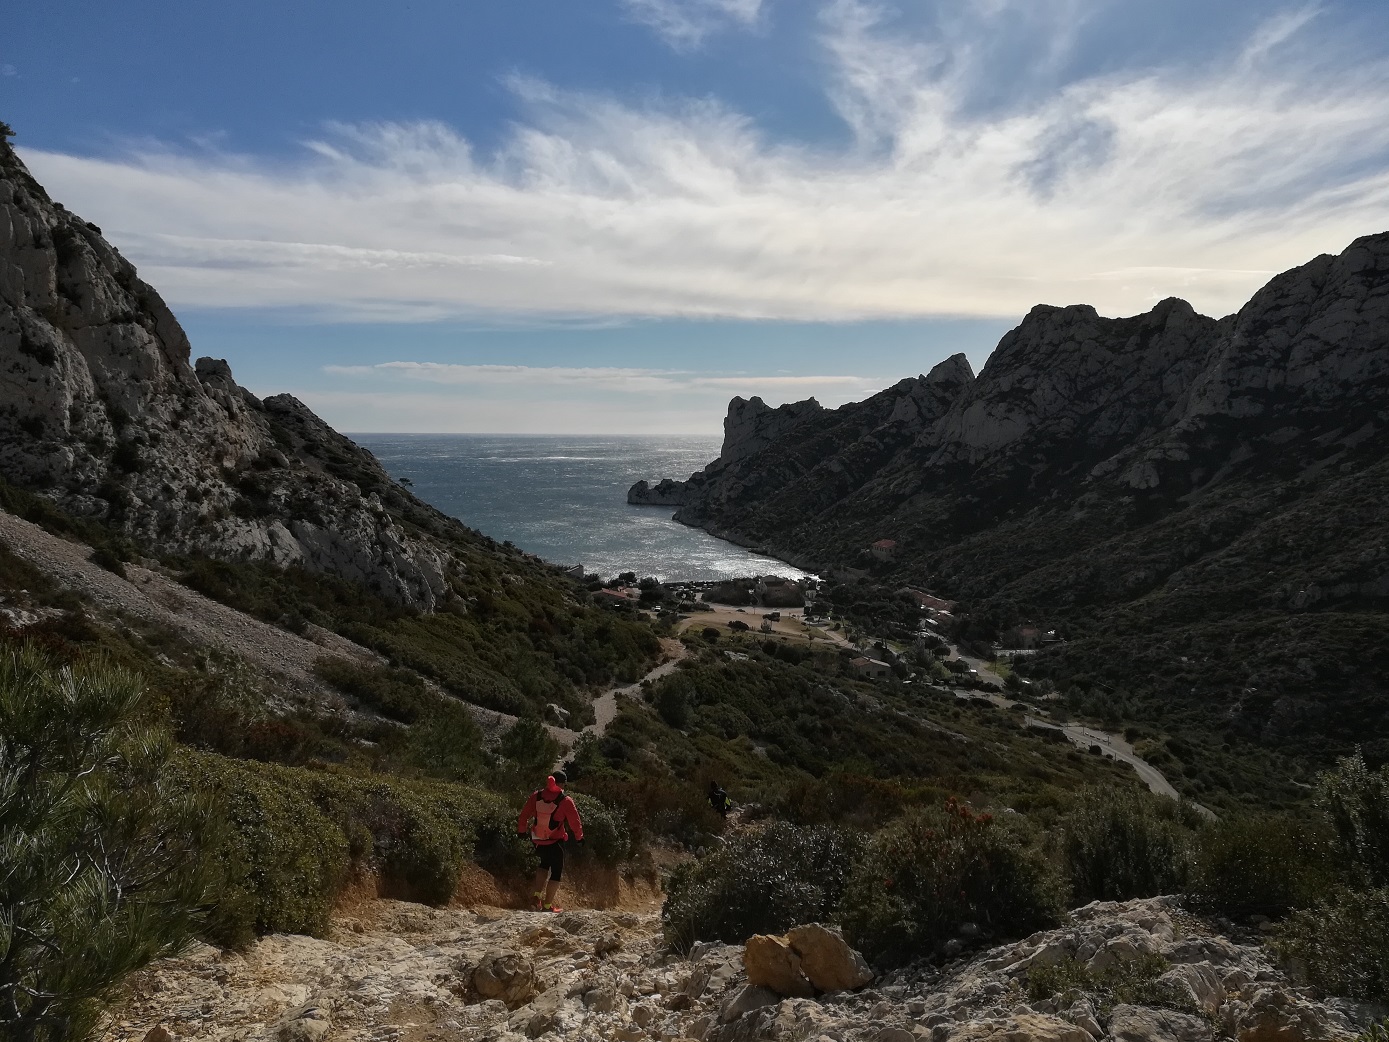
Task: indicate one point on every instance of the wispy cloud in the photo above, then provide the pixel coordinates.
(1115, 189)
(685, 24)
(782, 386)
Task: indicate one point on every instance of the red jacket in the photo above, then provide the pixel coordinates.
(559, 816)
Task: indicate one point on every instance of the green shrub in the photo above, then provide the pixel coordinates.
(1133, 982)
(1343, 941)
(1356, 801)
(673, 705)
(765, 881)
(923, 876)
(1259, 864)
(282, 859)
(445, 742)
(606, 835)
(297, 834)
(1118, 844)
(394, 693)
(101, 869)
(653, 807)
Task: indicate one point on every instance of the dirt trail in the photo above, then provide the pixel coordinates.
(605, 705)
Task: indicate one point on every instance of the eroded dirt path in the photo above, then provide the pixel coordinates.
(605, 706)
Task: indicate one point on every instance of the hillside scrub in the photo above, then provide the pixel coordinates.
(1261, 864)
(773, 732)
(509, 646)
(763, 881)
(921, 877)
(296, 836)
(100, 844)
(1117, 844)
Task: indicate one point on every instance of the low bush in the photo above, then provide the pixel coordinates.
(296, 835)
(282, 859)
(655, 807)
(1133, 982)
(606, 835)
(394, 693)
(765, 881)
(1259, 865)
(1343, 941)
(1118, 844)
(923, 876)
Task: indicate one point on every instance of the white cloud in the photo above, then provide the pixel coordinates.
(1115, 190)
(584, 379)
(6, 69)
(685, 24)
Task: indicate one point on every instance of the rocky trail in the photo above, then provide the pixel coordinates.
(392, 971)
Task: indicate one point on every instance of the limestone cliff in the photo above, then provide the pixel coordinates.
(102, 412)
(1196, 503)
(801, 456)
(1168, 400)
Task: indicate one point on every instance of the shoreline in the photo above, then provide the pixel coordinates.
(809, 568)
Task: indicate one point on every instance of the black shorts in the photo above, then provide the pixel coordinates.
(552, 857)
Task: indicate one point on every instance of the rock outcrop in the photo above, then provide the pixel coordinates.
(102, 412)
(804, 453)
(504, 977)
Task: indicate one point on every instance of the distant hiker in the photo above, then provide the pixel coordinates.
(718, 799)
(545, 821)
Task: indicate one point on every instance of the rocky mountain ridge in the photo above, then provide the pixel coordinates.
(1168, 400)
(102, 412)
(1194, 504)
(394, 971)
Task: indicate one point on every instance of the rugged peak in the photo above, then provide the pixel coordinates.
(1067, 370)
(922, 401)
(955, 370)
(101, 410)
(751, 425)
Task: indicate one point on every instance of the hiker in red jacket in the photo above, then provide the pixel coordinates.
(546, 820)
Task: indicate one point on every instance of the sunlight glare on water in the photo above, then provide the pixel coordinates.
(565, 499)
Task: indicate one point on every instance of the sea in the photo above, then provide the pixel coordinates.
(565, 499)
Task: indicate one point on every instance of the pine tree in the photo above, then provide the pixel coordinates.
(100, 863)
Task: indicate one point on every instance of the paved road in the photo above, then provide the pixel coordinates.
(1111, 745)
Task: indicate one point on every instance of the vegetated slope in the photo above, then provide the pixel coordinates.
(1197, 505)
(108, 434)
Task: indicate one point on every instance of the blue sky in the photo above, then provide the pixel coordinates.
(611, 215)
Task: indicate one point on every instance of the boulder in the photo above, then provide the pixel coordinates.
(601, 1000)
(1027, 1027)
(1082, 1014)
(1143, 1024)
(505, 975)
(159, 1033)
(827, 960)
(307, 1023)
(772, 963)
(1198, 983)
(1276, 1016)
(539, 1017)
(746, 999)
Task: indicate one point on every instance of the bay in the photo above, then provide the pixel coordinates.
(565, 499)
